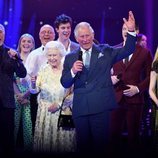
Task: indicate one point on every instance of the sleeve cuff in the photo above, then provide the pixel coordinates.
(72, 74)
(132, 33)
(137, 89)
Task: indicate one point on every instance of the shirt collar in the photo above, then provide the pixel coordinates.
(89, 50)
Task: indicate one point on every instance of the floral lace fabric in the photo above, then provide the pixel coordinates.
(47, 138)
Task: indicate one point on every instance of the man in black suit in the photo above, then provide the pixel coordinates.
(93, 90)
(10, 63)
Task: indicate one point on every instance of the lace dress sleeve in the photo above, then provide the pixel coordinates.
(155, 66)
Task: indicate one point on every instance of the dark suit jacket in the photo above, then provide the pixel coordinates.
(8, 67)
(93, 89)
(74, 46)
(137, 72)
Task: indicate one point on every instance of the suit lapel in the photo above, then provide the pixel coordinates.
(135, 54)
(94, 59)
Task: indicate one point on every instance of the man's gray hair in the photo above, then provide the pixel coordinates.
(80, 25)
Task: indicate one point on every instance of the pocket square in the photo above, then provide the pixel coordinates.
(100, 55)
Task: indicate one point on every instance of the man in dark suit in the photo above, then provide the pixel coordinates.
(130, 80)
(10, 63)
(93, 90)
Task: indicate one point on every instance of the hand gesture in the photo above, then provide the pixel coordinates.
(114, 79)
(53, 108)
(77, 66)
(133, 90)
(130, 23)
(13, 53)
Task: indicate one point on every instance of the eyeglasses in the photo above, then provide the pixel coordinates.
(46, 32)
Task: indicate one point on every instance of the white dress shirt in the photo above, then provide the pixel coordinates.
(34, 61)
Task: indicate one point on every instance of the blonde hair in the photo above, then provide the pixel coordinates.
(26, 35)
(156, 55)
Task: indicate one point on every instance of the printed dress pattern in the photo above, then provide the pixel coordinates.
(47, 137)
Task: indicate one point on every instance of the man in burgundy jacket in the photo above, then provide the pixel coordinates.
(130, 81)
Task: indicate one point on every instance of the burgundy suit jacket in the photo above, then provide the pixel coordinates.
(137, 72)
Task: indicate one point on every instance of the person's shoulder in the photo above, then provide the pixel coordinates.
(5, 47)
(142, 49)
(74, 51)
(74, 43)
(155, 66)
(36, 51)
(72, 54)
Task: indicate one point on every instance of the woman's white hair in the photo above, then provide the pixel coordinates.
(55, 45)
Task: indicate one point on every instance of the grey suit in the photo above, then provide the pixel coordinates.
(74, 46)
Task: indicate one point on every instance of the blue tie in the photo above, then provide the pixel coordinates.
(87, 59)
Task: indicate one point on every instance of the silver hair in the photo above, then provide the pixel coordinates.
(82, 25)
(55, 45)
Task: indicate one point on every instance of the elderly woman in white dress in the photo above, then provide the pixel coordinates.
(47, 137)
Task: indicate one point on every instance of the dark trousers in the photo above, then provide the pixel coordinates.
(6, 130)
(34, 106)
(129, 115)
(92, 133)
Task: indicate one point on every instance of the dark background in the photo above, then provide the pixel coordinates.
(105, 16)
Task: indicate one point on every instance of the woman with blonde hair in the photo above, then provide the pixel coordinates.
(153, 92)
(22, 111)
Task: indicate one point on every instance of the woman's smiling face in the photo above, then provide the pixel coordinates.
(54, 57)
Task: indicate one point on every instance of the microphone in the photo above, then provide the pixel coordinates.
(81, 59)
(80, 56)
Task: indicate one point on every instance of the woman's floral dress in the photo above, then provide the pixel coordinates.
(47, 138)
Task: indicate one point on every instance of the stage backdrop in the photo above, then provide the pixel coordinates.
(105, 16)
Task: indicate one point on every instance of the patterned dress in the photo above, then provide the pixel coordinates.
(23, 116)
(47, 138)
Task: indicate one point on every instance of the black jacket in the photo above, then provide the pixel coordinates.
(8, 67)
